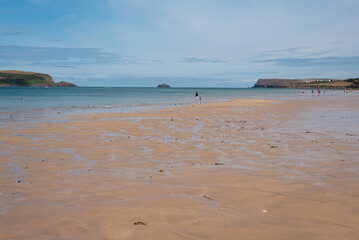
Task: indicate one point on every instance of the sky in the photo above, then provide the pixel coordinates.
(184, 43)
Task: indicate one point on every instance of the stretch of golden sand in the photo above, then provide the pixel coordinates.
(243, 169)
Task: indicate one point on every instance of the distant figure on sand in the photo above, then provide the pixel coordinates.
(200, 99)
(196, 96)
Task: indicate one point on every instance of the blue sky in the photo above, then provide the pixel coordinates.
(199, 43)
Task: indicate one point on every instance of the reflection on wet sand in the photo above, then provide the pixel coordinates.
(256, 169)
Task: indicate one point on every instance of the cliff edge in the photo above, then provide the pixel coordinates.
(29, 79)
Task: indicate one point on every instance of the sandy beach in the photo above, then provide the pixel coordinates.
(242, 169)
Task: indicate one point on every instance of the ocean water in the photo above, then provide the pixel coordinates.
(19, 103)
(82, 97)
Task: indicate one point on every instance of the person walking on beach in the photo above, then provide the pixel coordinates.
(196, 96)
(200, 99)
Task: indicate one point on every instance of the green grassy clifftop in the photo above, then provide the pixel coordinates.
(308, 83)
(29, 79)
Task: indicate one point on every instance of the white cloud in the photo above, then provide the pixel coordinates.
(224, 39)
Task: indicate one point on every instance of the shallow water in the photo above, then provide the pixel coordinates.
(87, 97)
(24, 104)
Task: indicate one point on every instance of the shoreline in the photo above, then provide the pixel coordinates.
(82, 98)
(246, 168)
(60, 113)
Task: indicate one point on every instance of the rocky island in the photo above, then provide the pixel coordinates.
(163, 85)
(29, 79)
(308, 83)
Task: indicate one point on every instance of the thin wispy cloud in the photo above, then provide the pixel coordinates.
(314, 62)
(285, 50)
(31, 53)
(69, 58)
(228, 40)
(10, 31)
(53, 40)
(58, 66)
(201, 60)
(295, 52)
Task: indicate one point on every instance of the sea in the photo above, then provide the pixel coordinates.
(19, 104)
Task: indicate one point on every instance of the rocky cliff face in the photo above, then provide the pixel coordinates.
(64, 84)
(279, 83)
(354, 83)
(29, 79)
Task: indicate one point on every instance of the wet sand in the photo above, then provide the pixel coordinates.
(243, 169)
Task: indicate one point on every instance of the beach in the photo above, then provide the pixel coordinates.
(237, 169)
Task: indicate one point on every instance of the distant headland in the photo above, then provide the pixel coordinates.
(163, 85)
(308, 83)
(29, 79)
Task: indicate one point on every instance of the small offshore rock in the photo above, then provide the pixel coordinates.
(163, 85)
